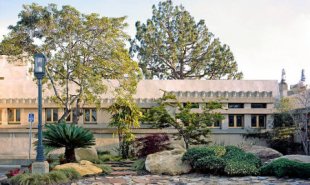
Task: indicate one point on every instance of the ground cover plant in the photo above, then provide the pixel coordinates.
(229, 160)
(285, 167)
(53, 177)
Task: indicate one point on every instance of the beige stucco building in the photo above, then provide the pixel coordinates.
(247, 105)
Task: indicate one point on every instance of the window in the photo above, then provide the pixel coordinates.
(14, 115)
(258, 105)
(90, 115)
(258, 121)
(235, 105)
(192, 105)
(235, 120)
(216, 124)
(51, 115)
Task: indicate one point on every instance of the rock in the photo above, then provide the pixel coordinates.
(88, 154)
(83, 168)
(167, 162)
(177, 144)
(264, 153)
(298, 158)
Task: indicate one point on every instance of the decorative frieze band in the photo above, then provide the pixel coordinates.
(180, 94)
(225, 94)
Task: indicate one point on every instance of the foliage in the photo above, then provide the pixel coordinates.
(240, 168)
(125, 116)
(53, 177)
(69, 136)
(192, 127)
(106, 169)
(172, 45)
(82, 50)
(13, 172)
(139, 165)
(229, 160)
(151, 144)
(285, 167)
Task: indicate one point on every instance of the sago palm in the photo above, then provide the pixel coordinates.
(69, 136)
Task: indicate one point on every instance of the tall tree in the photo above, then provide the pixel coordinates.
(82, 51)
(171, 45)
(192, 127)
(295, 110)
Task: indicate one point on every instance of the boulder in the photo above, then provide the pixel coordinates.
(264, 153)
(88, 154)
(298, 158)
(167, 162)
(83, 167)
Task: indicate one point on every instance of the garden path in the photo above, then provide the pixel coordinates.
(190, 179)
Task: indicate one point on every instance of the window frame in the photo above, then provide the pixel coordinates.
(235, 120)
(264, 105)
(91, 121)
(257, 120)
(232, 105)
(52, 115)
(15, 121)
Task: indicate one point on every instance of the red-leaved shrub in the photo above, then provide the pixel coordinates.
(151, 144)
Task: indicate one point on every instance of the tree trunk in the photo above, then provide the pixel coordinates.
(69, 155)
(64, 116)
(76, 113)
(186, 143)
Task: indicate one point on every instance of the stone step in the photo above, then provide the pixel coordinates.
(123, 173)
(120, 168)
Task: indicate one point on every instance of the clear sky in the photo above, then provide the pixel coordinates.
(264, 35)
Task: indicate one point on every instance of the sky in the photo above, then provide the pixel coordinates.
(265, 36)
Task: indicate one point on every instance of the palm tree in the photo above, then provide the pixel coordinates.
(69, 136)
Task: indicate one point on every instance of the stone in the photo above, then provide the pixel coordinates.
(167, 162)
(83, 167)
(298, 158)
(88, 154)
(264, 153)
(40, 167)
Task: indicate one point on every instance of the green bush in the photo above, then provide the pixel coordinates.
(229, 160)
(193, 154)
(219, 150)
(106, 169)
(139, 165)
(210, 164)
(285, 167)
(53, 177)
(240, 168)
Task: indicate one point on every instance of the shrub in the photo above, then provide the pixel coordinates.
(54, 177)
(229, 160)
(69, 136)
(139, 165)
(240, 168)
(211, 164)
(193, 154)
(106, 169)
(151, 144)
(285, 167)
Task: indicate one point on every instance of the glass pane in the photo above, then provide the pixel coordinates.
(17, 115)
(11, 115)
(87, 115)
(231, 120)
(261, 121)
(253, 121)
(48, 115)
(235, 105)
(94, 115)
(239, 121)
(55, 115)
(258, 105)
(217, 124)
